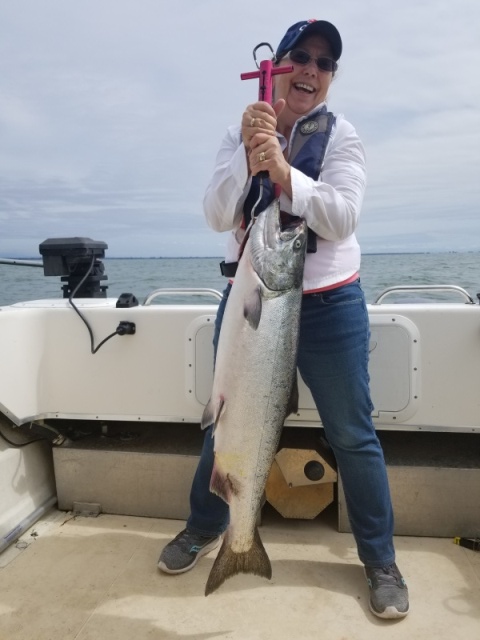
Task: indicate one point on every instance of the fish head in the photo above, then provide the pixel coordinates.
(278, 252)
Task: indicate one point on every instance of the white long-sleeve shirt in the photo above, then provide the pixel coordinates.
(330, 205)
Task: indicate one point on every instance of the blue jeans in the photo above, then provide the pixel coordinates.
(333, 362)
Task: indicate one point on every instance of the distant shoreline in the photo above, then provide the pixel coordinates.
(364, 253)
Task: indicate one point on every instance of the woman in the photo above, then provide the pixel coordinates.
(318, 161)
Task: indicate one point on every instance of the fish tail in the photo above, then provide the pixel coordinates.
(228, 563)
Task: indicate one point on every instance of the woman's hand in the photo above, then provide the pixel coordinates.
(259, 134)
(259, 117)
(266, 155)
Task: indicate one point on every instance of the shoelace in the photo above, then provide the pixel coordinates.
(184, 537)
(188, 538)
(387, 575)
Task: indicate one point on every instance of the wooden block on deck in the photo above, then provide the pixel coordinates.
(303, 502)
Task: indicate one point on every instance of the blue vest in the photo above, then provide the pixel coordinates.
(307, 152)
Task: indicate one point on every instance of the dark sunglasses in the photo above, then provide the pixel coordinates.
(299, 56)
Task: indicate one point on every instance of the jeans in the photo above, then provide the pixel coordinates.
(333, 362)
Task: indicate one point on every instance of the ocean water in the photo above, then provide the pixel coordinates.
(141, 276)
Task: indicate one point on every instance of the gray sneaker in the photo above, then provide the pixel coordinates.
(388, 592)
(183, 552)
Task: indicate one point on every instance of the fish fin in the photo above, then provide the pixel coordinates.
(228, 563)
(252, 309)
(292, 406)
(211, 414)
(223, 485)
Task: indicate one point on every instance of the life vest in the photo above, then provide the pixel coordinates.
(307, 152)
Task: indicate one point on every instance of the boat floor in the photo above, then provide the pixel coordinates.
(96, 579)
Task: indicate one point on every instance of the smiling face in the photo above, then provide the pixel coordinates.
(307, 86)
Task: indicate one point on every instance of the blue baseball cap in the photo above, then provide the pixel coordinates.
(307, 27)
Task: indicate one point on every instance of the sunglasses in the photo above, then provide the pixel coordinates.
(299, 56)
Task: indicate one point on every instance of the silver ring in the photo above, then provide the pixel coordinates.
(252, 122)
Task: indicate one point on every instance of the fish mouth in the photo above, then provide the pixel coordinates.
(282, 227)
(290, 225)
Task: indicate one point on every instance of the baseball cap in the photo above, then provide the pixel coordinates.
(307, 27)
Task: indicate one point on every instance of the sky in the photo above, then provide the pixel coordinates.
(112, 112)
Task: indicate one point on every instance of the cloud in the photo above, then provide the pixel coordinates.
(111, 114)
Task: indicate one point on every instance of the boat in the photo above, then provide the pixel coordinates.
(100, 404)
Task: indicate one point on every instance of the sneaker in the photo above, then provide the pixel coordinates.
(388, 592)
(183, 552)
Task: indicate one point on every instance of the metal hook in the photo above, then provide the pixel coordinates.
(262, 44)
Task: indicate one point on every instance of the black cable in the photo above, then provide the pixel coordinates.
(18, 445)
(115, 333)
(93, 349)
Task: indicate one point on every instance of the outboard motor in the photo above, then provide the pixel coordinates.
(78, 262)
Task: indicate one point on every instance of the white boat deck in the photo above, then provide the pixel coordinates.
(96, 579)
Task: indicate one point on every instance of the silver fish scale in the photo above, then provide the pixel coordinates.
(254, 372)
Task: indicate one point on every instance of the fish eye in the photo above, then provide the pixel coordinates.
(298, 244)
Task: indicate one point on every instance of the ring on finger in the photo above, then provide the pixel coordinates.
(261, 156)
(252, 122)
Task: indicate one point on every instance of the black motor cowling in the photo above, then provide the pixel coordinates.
(76, 259)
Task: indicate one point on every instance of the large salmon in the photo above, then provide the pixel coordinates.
(254, 387)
